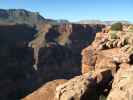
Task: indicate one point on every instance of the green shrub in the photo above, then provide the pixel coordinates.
(117, 27)
(113, 34)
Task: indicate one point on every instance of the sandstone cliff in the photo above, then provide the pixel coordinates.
(106, 61)
(106, 70)
(62, 43)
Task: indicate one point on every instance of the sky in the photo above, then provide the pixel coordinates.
(75, 10)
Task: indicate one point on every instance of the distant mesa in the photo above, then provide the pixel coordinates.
(102, 22)
(90, 22)
(22, 16)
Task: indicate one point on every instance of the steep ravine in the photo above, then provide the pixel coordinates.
(55, 61)
(63, 60)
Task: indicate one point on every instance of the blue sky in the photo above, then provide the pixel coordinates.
(75, 10)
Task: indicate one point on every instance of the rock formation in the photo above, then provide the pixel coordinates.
(83, 87)
(35, 52)
(102, 63)
(77, 88)
(106, 65)
(46, 92)
(122, 87)
(57, 51)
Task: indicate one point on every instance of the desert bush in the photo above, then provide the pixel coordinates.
(130, 28)
(117, 27)
(113, 34)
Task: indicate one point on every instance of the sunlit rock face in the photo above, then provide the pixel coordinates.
(122, 84)
(115, 55)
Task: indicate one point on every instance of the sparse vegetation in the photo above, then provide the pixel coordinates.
(113, 34)
(130, 28)
(117, 27)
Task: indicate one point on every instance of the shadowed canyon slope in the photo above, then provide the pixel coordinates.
(58, 44)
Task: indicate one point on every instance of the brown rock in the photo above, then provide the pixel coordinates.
(122, 88)
(116, 54)
(84, 86)
(105, 63)
(88, 59)
(85, 68)
(110, 58)
(95, 60)
(97, 40)
(78, 88)
(46, 92)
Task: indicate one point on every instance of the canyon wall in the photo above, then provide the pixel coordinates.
(56, 58)
(60, 49)
(35, 52)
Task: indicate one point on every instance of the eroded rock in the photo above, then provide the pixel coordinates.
(122, 88)
(84, 87)
(46, 92)
(78, 88)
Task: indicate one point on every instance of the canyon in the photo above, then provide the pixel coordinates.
(106, 70)
(35, 50)
(46, 59)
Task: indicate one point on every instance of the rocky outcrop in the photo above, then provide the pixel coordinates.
(98, 55)
(46, 92)
(100, 64)
(122, 84)
(84, 86)
(114, 55)
(88, 59)
(78, 88)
